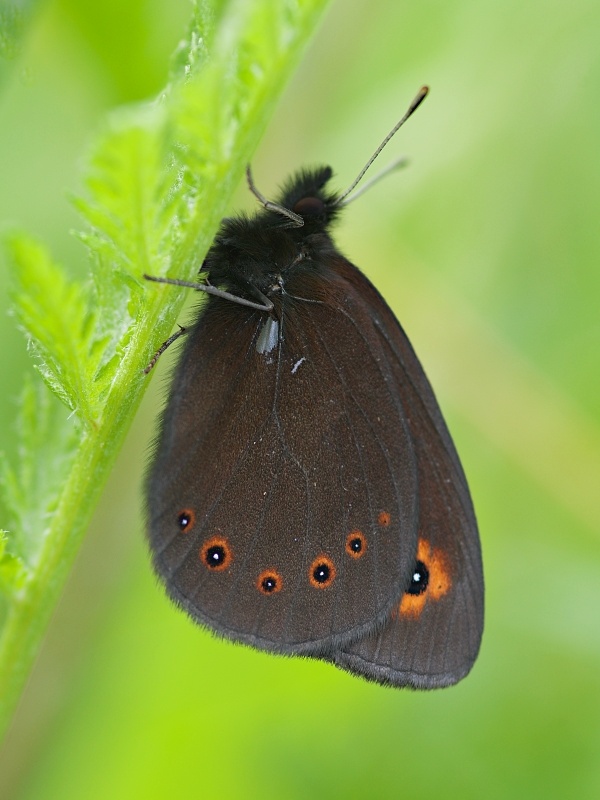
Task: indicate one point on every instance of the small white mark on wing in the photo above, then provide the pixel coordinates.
(297, 364)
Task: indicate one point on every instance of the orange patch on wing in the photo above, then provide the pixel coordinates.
(384, 518)
(439, 581)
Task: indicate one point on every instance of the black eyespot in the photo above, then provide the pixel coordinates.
(186, 520)
(269, 582)
(419, 580)
(216, 554)
(322, 572)
(356, 544)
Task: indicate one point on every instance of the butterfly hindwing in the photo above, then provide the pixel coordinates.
(433, 635)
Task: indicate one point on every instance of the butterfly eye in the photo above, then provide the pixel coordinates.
(309, 207)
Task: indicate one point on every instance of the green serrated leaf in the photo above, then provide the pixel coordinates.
(46, 446)
(57, 315)
(160, 178)
(135, 189)
(193, 50)
(13, 572)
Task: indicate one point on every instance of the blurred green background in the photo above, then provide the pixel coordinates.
(488, 249)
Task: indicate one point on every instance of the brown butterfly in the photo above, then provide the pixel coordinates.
(305, 496)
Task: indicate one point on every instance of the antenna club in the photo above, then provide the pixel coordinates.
(420, 96)
(418, 99)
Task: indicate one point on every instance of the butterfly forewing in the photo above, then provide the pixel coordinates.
(299, 472)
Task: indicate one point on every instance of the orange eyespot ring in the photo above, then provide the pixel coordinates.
(321, 572)
(431, 580)
(186, 519)
(269, 582)
(384, 518)
(215, 554)
(356, 544)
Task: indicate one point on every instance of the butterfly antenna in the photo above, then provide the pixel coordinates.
(295, 219)
(344, 198)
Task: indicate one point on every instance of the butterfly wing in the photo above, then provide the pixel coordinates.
(282, 495)
(433, 636)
